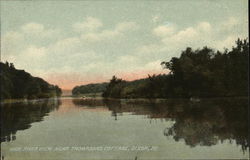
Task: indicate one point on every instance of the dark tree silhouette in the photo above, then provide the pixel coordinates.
(20, 84)
(196, 73)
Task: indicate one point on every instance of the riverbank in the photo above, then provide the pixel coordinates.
(122, 99)
(24, 100)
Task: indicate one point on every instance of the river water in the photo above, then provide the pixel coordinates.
(79, 129)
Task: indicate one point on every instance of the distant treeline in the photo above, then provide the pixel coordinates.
(89, 88)
(20, 84)
(196, 73)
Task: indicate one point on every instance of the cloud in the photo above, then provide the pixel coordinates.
(126, 26)
(10, 43)
(31, 58)
(230, 23)
(36, 29)
(154, 65)
(34, 52)
(100, 36)
(65, 46)
(149, 52)
(173, 40)
(204, 27)
(32, 28)
(170, 35)
(187, 34)
(163, 30)
(92, 51)
(69, 51)
(227, 42)
(26, 47)
(141, 71)
(30, 34)
(123, 61)
(155, 18)
(119, 30)
(90, 24)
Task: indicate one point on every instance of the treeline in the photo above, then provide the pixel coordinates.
(89, 88)
(196, 73)
(20, 84)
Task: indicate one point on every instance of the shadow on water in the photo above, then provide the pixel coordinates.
(20, 116)
(203, 123)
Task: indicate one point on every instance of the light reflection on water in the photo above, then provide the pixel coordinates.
(212, 128)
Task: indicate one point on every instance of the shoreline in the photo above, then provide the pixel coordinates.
(122, 99)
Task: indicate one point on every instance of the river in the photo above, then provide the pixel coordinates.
(79, 129)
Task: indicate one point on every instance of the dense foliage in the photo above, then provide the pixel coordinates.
(196, 73)
(89, 88)
(150, 87)
(20, 84)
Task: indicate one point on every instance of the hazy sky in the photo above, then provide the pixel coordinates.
(77, 42)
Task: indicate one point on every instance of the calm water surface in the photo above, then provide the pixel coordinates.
(71, 128)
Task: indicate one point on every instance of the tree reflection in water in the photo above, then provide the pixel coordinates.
(203, 123)
(19, 116)
(208, 122)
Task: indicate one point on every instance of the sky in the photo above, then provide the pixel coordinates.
(76, 42)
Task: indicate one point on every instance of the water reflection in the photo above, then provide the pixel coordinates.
(208, 122)
(203, 123)
(20, 116)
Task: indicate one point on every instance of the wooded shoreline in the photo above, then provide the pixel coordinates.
(201, 73)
